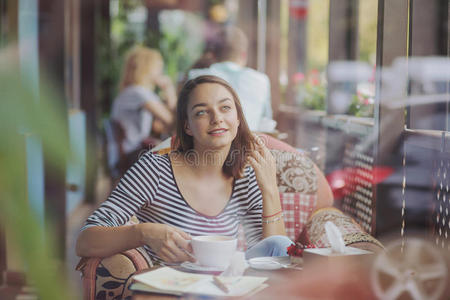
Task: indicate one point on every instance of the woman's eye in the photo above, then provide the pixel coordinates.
(200, 113)
(226, 107)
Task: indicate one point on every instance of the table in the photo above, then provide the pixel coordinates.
(274, 278)
(346, 279)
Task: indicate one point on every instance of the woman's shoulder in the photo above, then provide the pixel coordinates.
(154, 159)
(139, 92)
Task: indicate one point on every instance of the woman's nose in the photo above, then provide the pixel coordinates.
(216, 118)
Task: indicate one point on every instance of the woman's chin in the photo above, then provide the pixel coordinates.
(217, 145)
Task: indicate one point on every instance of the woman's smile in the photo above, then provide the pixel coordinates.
(218, 131)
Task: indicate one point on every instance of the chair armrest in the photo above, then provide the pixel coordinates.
(110, 277)
(352, 233)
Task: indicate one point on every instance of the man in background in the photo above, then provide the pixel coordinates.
(252, 87)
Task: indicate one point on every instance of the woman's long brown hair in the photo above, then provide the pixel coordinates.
(242, 143)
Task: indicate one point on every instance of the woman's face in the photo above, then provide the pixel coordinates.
(155, 71)
(212, 118)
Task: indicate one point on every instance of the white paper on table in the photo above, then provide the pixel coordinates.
(168, 279)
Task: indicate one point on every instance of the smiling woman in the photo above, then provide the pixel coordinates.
(192, 111)
(171, 194)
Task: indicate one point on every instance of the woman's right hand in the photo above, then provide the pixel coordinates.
(168, 242)
(164, 82)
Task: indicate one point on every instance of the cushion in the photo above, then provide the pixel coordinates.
(297, 184)
(295, 172)
(297, 209)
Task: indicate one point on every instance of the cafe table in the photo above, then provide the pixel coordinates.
(347, 279)
(275, 277)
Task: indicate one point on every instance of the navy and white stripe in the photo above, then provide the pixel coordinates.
(149, 191)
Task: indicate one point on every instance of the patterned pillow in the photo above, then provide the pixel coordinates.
(297, 183)
(295, 173)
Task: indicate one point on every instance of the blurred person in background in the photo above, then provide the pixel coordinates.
(253, 87)
(137, 106)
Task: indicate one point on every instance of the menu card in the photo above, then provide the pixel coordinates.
(170, 281)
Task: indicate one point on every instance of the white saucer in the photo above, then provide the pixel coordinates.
(197, 267)
(269, 263)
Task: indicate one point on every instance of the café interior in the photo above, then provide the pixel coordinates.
(361, 87)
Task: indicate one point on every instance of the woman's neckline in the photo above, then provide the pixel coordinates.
(188, 204)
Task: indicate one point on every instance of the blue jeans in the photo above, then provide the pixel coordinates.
(275, 245)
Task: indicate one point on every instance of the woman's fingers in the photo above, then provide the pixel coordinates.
(171, 244)
(184, 235)
(180, 255)
(167, 255)
(252, 162)
(170, 252)
(262, 156)
(261, 147)
(181, 241)
(257, 156)
(264, 164)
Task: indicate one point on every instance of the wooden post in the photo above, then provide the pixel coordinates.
(51, 50)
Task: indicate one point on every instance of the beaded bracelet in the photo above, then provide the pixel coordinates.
(273, 220)
(265, 217)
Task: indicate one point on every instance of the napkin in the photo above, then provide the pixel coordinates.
(237, 266)
(335, 238)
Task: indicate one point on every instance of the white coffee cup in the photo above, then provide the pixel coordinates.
(214, 250)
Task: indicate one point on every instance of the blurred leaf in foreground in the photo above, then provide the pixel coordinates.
(23, 114)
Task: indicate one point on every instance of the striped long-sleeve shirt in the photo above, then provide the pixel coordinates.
(149, 191)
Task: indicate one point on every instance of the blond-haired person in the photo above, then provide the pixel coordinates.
(137, 105)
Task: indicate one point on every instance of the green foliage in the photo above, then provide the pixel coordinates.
(311, 89)
(22, 115)
(313, 97)
(173, 47)
(360, 106)
(180, 41)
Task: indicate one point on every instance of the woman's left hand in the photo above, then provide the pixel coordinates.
(265, 168)
(263, 162)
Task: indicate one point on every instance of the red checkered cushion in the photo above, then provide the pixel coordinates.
(297, 209)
